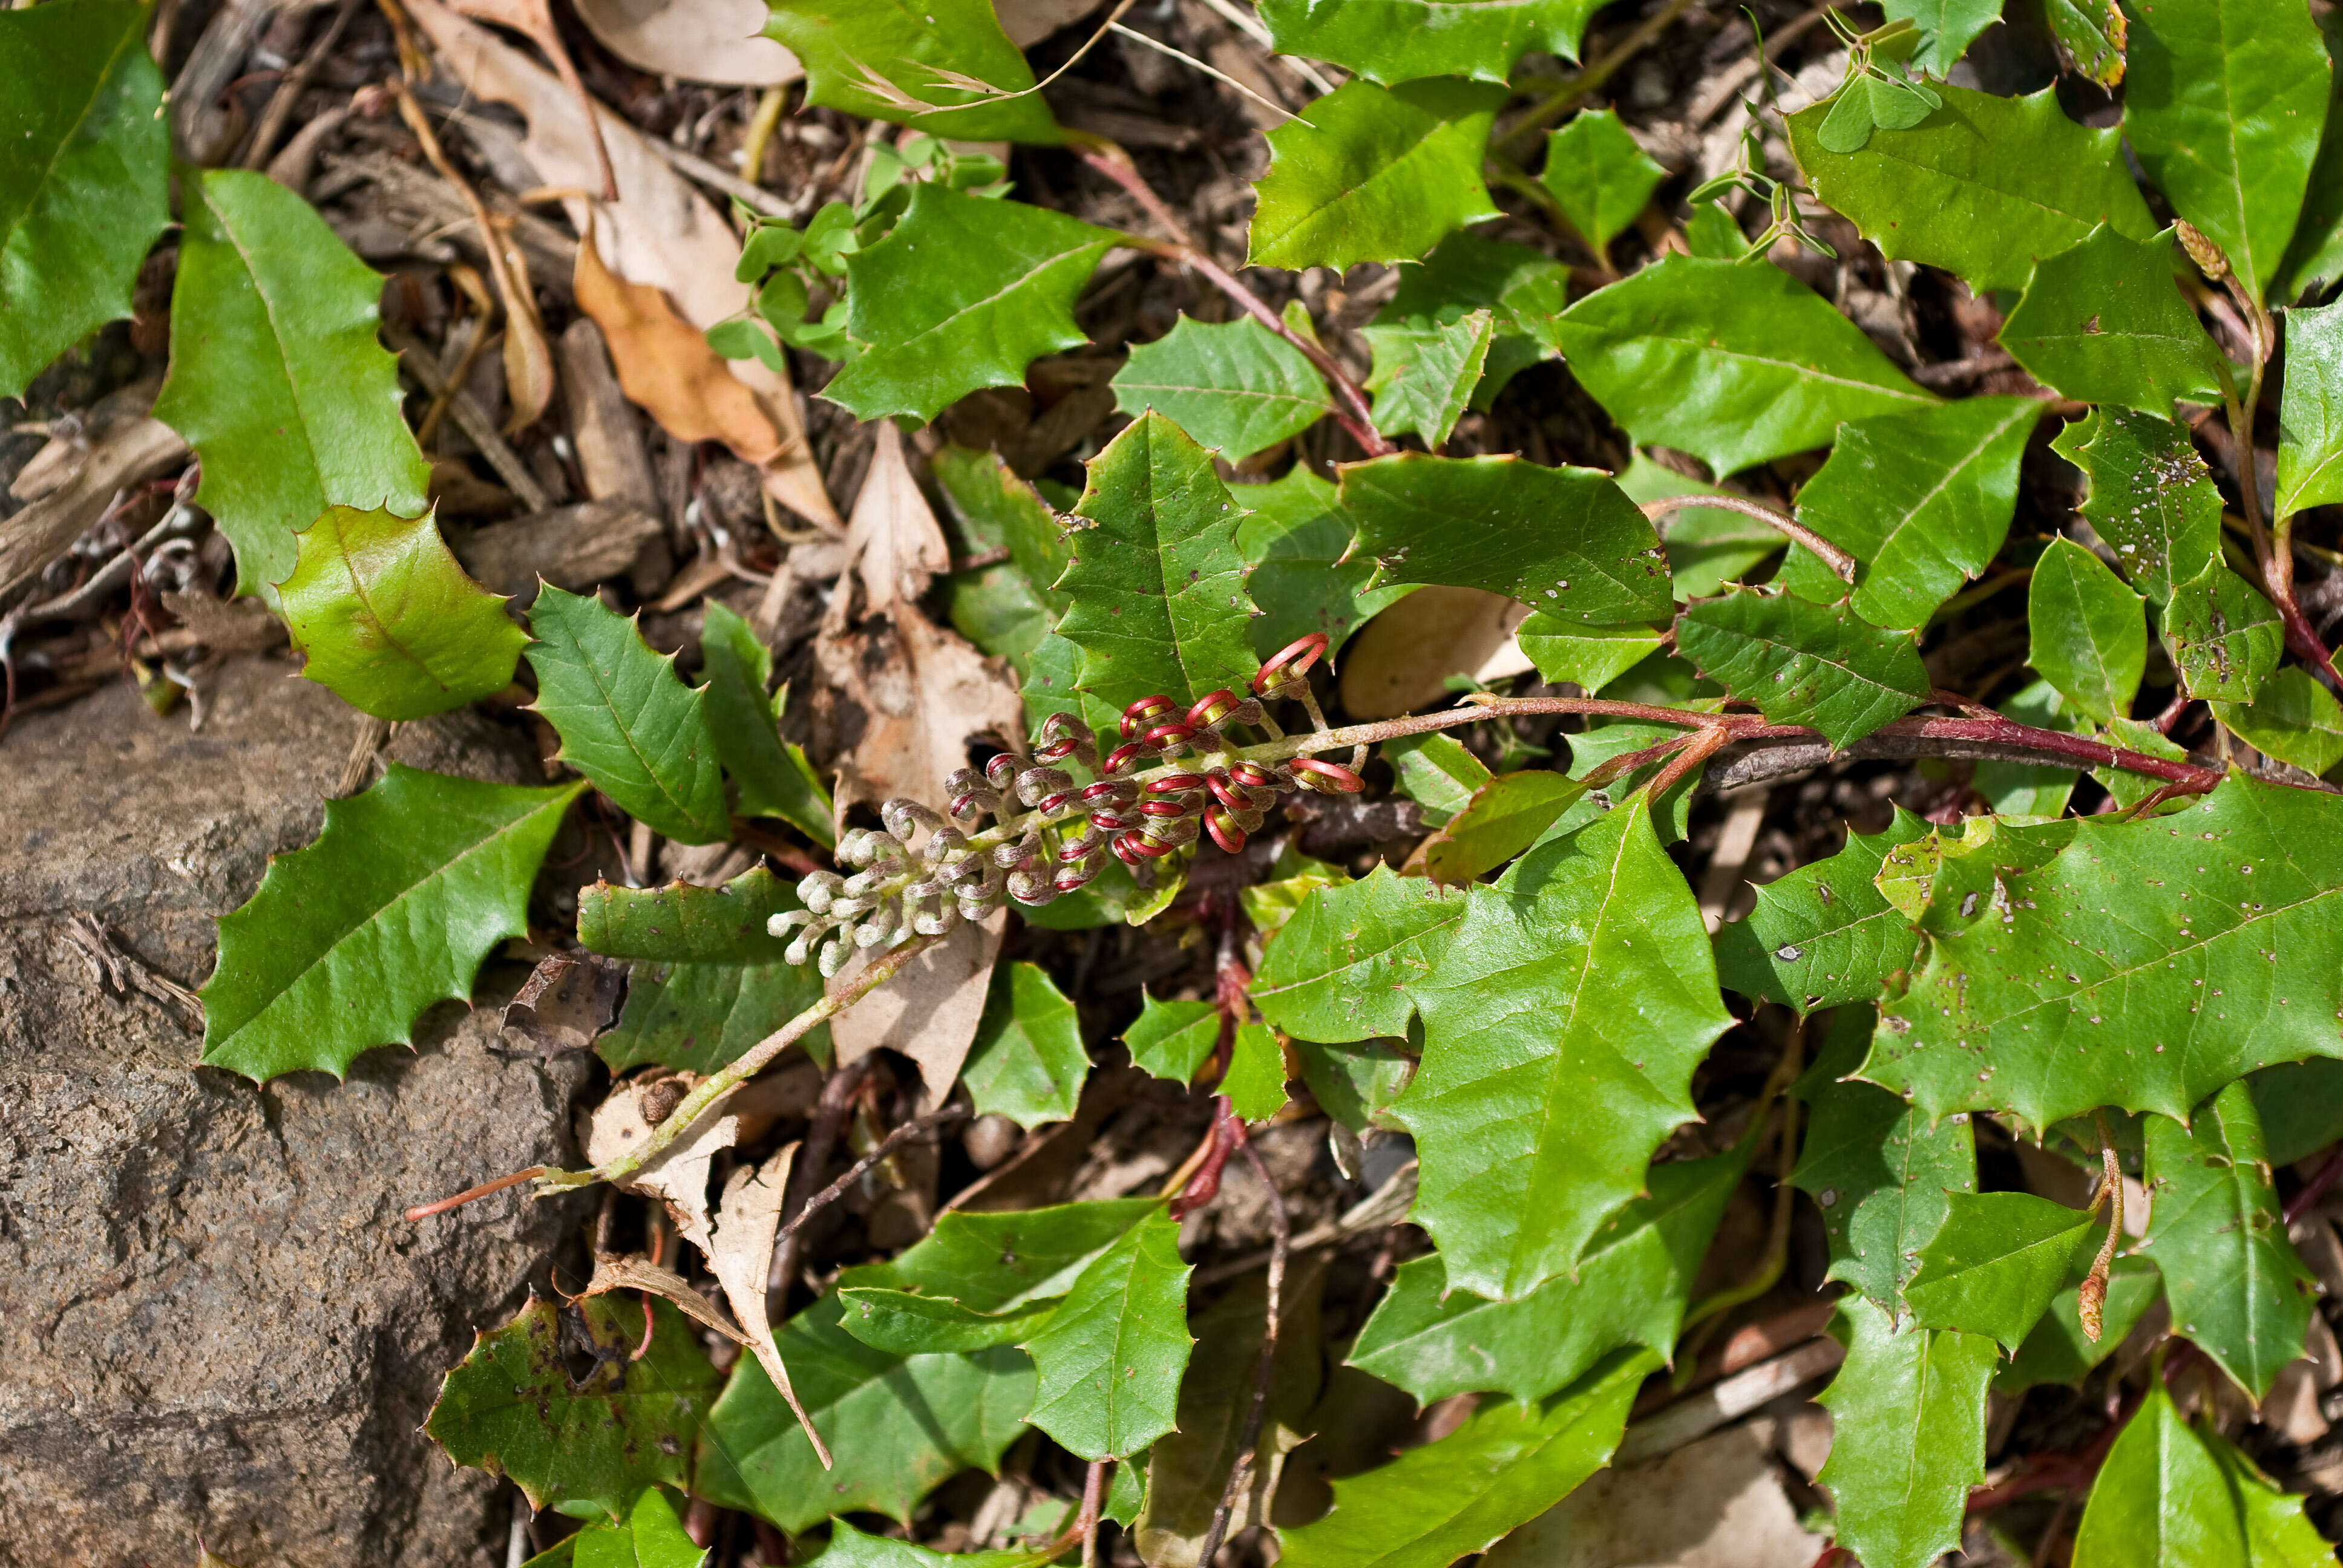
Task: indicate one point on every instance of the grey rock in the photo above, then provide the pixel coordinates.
(213, 1321)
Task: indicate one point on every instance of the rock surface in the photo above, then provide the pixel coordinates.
(213, 1320)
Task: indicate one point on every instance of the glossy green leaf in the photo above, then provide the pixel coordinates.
(2059, 1352)
(2236, 1286)
(1523, 290)
(1028, 1062)
(1111, 1357)
(1823, 934)
(2089, 636)
(83, 189)
(774, 777)
(709, 979)
(851, 1548)
(1985, 186)
(1002, 511)
(902, 1324)
(1561, 1030)
(1632, 1286)
(1922, 500)
(1350, 962)
(1394, 41)
(1374, 173)
(2223, 103)
(1948, 28)
(2144, 968)
(2225, 638)
(1707, 545)
(1437, 773)
(1907, 1409)
(1591, 657)
(899, 1425)
(1173, 1038)
(389, 623)
(1255, 1081)
(626, 720)
(2293, 718)
(1236, 386)
(1504, 817)
(1507, 1464)
(1801, 663)
(1424, 391)
(2310, 411)
(1598, 175)
(2277, 1531)
(2151, 497)
(1293, 538)
(1735, 365)
(585, 1447)
(2091, 32)
(946, 68)
(2315, 258)
(393, 906)
(1995, 1263)
(1881, 1173)
(2168, 1495)
(1356, 1081)
(963, 293)
(2104, 322)
(1157, 580)
(652, 1535)
(277, 380)
(2301, 1107)
(1564, 541)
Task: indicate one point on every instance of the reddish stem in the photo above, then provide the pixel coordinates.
(425, 1210)
(1205, 1184)
(2321, 1181)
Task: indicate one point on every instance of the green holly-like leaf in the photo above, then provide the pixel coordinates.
(1002, 511)
(946, 68)
(2104, 322)
(626, 720)
(1985, 186)
(709, 979)
(1294, 538)
(905, 1324)
(1351, 961)
(1437, 773)
(2315, 257)
(2148, 974)
(2225, 638)
(1523, 290)
(277, 380)
(1395, 40)
(1028, 1062)
(1824, 934)
(2293, 718)
(2301, 1107)
(392, 908)
(1236, 386)
(900, 1425)
(1882, 1174)
(1801, 663)
(2310, 411)
(2089, 636)
(774, 777)
(512, 1409)
(849, 1548)
(1564, 541)
(1504, 817)
(1591, 655)
(963, 293)
(1599, 176)
(1157, 581)
(2171, 1496)
(2059, 1352)
(1632, 1286)
(2151, 497)
(1735, 365)
(1426, 390)
(1948, 28)
(1907, 1411)
(2236, 1286)
(1561, 1030)
(2223, 102)
(83, 189)
(1173, 1038)
(389, 622)
(1111, 1357)
(1922, 500)
(652, 1535)
(1374, 173)
(1255, 1081)
(2092, 34)
(1995, 1263)
(1707, 545)
(1507, 1464)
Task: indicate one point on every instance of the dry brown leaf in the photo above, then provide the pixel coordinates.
(717, 41)
(533, 20)
(666, 367)
(633, 1272)
(679, 1174)
(566, 1003)
(133, 452)
(745, 1230)
(899, 699)
(659, 232)
(1402, 660)
(893, 543)
(930, 1011)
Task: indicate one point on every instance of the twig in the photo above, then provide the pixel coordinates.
(760, 136)
(417, 362)
(887, 1145)
(113, 573)
(1837, 560)
(1566, 94)
(294, 82)
(1240, 1472)
(1161, 48)
(1252, 27)
(425, 1210)
(2321, 1183)
(838, 1092)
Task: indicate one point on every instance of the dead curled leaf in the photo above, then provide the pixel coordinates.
(746, 1230)
(679, 1175)
(666, 367)
(930, 1011)
(633, 1272)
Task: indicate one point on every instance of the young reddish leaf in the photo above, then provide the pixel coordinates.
(1374, 173)
(392, 908)
(389, 622)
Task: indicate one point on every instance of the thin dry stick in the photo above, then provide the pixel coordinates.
(1240, 1473)
(296, 82)
(1837, 560)
(887, 1145)
(1161, 48)
(828, 1116)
